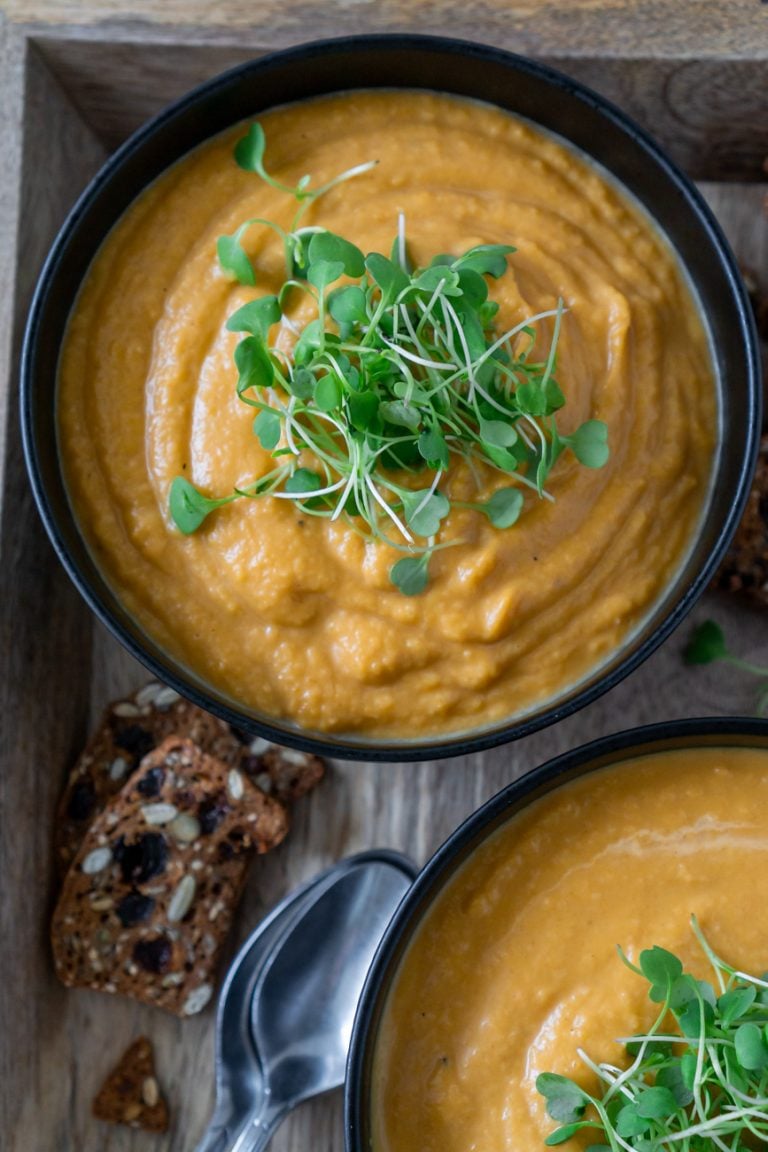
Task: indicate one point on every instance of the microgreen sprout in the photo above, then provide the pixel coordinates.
(695, 1081)
(708, 644)
(401, 374)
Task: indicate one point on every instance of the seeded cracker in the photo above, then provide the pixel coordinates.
(130, 1094)
(147, 904)
(284, 773)
(131, 728)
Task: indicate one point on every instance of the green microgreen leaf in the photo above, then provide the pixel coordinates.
(566, 1102)
(189, 507)
(309, 343)
(433, 448)
(751, 1050)
(253, 364)
(473, 288)
(257, 317)
(736, 1003)
(660, 967)
(363, 410)
(437, 276)
(589, 444)
(504, 507)
(411, 574)
(655, 1103)
(424, 511)
(331, 249)
(706, 644)
(567, 1132)
(486, 259)
(347, 305)
(249, 155)
(302, 384)
(234, 259)
(397, 412)
(328, 393)
(397, 371)
(303, 482)
(672, 1078)
(630, 1123)
(249, 150)
(324, 272)
(267, 427)
(498, 433)
(389, 276)
(700, 1089)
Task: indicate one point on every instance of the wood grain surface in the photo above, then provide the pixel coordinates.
(62, 113)
(696, 29)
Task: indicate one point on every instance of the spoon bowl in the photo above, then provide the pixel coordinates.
(287, 1008)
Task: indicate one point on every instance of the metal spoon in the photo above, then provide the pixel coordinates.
(287, 1007)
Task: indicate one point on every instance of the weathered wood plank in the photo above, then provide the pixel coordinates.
(44, 638)
(693, 28)
(711, 115)
(57, 669)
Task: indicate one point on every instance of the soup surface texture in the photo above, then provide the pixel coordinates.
(515, 966)
(296, 616)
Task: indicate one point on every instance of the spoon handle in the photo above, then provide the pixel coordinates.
(250, 1134)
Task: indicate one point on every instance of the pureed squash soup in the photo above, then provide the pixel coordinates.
(294, 615)
(514, 966)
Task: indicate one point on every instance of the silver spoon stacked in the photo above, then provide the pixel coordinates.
(286, 1010)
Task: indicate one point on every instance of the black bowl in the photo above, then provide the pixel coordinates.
(719, 732)
(532, 90)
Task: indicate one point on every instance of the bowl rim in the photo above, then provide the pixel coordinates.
(451, 855)
(93, 586)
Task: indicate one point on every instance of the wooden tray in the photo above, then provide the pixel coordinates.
(69, 95)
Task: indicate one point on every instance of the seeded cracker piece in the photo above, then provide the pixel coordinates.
(149, 899)
(130, 1094)
(745, 568)
(281, 772)
(130, 729)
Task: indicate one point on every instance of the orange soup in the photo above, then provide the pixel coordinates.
(295, 616)
(515, 967)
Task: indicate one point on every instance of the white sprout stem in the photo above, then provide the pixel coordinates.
(311, 492)
(429, 494)
(401, 239)
(427, 309)
(444, 337)
(358, 170)
(553, 346)
(308, 230)
(463, 341)
(751, 979)
(417, 359)
(512, 332)
(524, 436)
(691, 1041)
(402, 310)
(601, 1071)
(697, 1101)
(351, 482)
(539, 432)
(759, 1102)
(708, 1125)
(344, 496)
(519, 478)
(389, 511)
(289, 427)
(291, 325)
